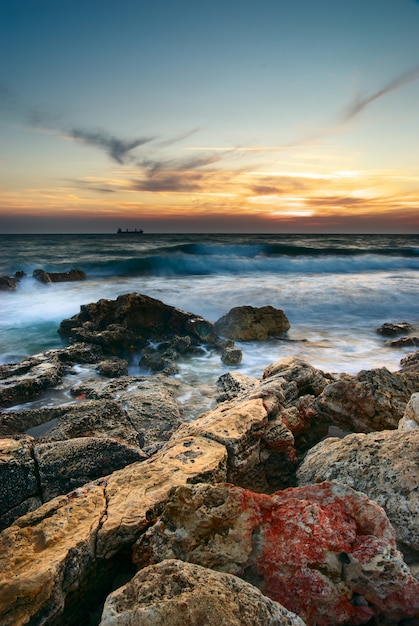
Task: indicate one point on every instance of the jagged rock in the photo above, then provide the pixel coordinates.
(19, 490)
(57, 562)
(130, 320)
(58, 277)
(308, 379)
(384, 465)
(233, 384)
(411, 360)
(65, 465)
(325, 552)
(247, 323)
(113, 367)
(390, 330)
(23, 381)
(9, 283)
(231, 355)
(370, 401)
(403, 342)
(184, 594)
(149, 402)
(410, 418)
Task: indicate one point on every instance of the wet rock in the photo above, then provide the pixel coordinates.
(113, 367)
(384, 465)
(19, 490)
(9, 283)
(58, 560)
(325, 552)
(134, 318)
(390, 330)
(370, 401)
(309, 380)
(58, 277)
(24, 381)
(231, 355)
(149, 402)
(410, 418)
(65, 465)
(247, 323)
(403, 342)
(184, 594)
(411, 360)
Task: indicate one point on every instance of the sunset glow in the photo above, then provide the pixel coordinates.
(201, 122)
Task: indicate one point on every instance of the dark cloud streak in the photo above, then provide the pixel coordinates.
(117, 149)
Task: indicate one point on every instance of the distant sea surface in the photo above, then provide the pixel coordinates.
(336, 290)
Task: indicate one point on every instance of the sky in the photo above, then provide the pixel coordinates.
(263, 116)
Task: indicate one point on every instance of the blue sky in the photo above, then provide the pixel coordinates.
(209, 116)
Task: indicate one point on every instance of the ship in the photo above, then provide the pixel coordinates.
(136, 231)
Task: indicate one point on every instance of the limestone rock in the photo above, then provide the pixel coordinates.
(149, 403)
(410, 340)
(325, 552)
(58, 277)
(113, 367)
(21, 382)
(19, 491)
(65, 465)
(136, 318)
(231, 355)
(309, 380)
(233, 384)
(57, 561)
(183, 594)
(390, 330)
(410, 418)
(411, 360)
(384, 465)
(370, 401)
(247, 323)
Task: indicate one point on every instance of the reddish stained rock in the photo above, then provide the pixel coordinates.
(325, 551)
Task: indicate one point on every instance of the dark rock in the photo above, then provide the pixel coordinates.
(66, 465)
(24, 381)
(411, 360)
(233, 384)
(59, 277)
(113, 367)
(391, 330)
(134, 318)
(19, 490)
(403, 342)
(247, 323)
(232, 355)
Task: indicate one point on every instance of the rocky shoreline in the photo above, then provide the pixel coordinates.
(119, 508)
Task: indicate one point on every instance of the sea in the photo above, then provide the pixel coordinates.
(336, 290)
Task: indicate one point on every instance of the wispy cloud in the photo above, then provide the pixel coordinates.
(360, 103)
(117, 149)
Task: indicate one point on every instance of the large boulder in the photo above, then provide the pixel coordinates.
(131, 320)
(325, 552)
(248, 323)
(370, 401)
(58, 562)
(183, 594)
(384, 465)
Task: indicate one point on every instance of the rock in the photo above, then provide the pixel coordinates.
(91, 418)
(65, 465)
(308, 379)
(9, 283)
(19, 490)
(384, 465)
(133, 318)
(232, 355)
(411, 360)
(57, 562)
(247, 323)
(113, 367)
(403, 342)
(58, 277)
(390, 330)
(410, 418)
(183, 594)
(325, 552)
(233, 384)
(24, 381)
(149, 403)
(370, 401)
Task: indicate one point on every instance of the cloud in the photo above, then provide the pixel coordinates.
(360, 103)
(117, 149)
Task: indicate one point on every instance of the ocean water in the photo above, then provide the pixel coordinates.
(336, 290)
